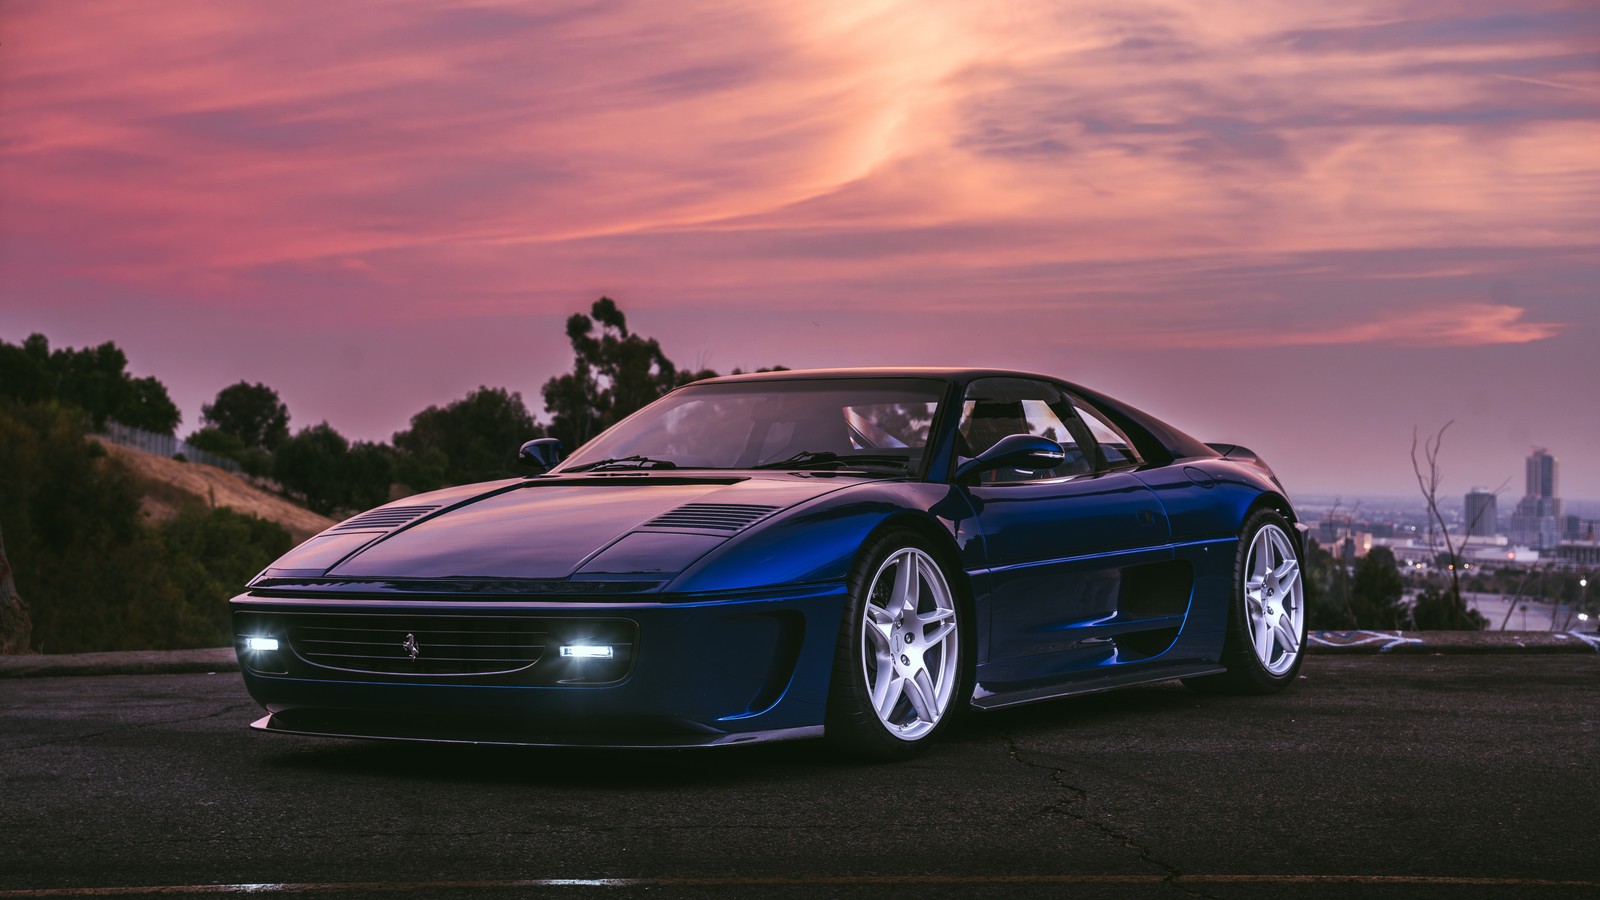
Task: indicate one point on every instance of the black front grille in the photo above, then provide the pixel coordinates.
(386, 518)
(722, 517)
(465, 645)
(425, 646)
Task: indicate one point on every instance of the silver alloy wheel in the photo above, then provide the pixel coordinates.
(908, 644)
(1274, 599)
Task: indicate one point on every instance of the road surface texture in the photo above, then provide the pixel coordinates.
(1463, 776)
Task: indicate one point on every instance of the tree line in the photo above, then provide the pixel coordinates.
(614, 372)
(97, 576)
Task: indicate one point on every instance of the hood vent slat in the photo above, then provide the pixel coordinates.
(384, 519)
(728, 518)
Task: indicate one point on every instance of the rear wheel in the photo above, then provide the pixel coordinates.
(897, 671)
(1265, 640)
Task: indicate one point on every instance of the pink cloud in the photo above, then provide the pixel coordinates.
(927, 180)
(1455, 325)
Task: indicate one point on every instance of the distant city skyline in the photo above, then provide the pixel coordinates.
(1307, 229)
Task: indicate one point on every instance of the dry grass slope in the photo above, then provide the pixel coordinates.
(169, 486)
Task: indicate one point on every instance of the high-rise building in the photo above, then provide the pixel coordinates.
(1537, 519)
(1482, 513)
(1541, 474)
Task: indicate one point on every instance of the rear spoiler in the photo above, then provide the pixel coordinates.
(1235, 452)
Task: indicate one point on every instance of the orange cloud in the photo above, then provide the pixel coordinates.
(434, 159)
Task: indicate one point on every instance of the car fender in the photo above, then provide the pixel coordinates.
(1209, 499)
(817, 541)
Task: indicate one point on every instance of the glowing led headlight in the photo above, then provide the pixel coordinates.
(586, 651)
(260, 643)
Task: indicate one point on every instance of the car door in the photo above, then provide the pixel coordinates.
(1059, 544)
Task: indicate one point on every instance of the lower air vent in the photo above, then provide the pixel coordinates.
(386, 518)
(719, 517)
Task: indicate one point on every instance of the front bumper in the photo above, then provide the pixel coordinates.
(700, 671)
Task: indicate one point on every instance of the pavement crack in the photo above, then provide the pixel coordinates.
(1073, 804)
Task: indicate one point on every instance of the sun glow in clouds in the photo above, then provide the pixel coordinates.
(761, 182)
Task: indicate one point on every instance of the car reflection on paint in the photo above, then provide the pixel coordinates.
(855, 555)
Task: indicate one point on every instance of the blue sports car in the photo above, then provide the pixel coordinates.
(855, 555)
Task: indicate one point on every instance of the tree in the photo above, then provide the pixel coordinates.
(331, 473)
(472, 439)
(94, 379)
(1446, 607)
(368, 475)
(95, 576)
(16, 621)
(1324, 607)
(312, 463)
(250, 412)
(1436, 609)
(254, 460)
(1375, 591)
(614, 373)
(211, 554)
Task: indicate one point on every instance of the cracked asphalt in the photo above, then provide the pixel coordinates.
(1383, 776)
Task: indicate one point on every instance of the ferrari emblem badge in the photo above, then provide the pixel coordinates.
(411, 647)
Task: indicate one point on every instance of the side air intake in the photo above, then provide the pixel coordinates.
(384, 519)
(723, 518)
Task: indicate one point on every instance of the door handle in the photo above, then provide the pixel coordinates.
(1147, 517)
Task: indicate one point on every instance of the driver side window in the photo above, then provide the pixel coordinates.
(994, 408)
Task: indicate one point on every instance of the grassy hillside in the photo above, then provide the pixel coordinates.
(168, 487)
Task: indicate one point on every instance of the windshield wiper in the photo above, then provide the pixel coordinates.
(632, 462)
(810, 459)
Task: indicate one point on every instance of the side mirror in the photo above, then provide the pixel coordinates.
(1019, 451)
(540, 455)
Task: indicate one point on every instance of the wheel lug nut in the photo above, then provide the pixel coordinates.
(905, 660)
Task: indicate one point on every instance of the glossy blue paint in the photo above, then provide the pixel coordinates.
(1056, 551)
(701, 667)
(1093, 580)
(818, 541)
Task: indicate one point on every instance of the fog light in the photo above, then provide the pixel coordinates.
(261, 643)
(586, 651)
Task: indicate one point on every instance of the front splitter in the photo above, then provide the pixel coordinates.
(270, 723)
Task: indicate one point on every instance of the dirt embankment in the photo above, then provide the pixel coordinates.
(169, 486)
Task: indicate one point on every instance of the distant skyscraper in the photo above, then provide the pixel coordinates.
(1483, 513)
(1537, 520)
(1541, 474)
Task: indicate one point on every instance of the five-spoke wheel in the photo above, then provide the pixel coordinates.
(1274, 599)
(898, 673)
(1266, 634)
(909, 643)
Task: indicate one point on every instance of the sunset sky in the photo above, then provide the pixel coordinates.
(1303, 227)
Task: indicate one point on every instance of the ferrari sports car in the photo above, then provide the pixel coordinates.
(857, 555)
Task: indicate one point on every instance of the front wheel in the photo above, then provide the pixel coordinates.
(898, 666)
(1265, 640)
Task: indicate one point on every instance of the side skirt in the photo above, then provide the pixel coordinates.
(1095, 685)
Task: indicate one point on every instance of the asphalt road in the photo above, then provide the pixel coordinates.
(1418, 776)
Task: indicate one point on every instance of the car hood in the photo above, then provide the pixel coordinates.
(590, 527)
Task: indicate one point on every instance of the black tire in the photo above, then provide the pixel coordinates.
(1247, 672)
(854, 727)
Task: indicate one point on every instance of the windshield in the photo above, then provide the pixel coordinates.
(880, 424)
